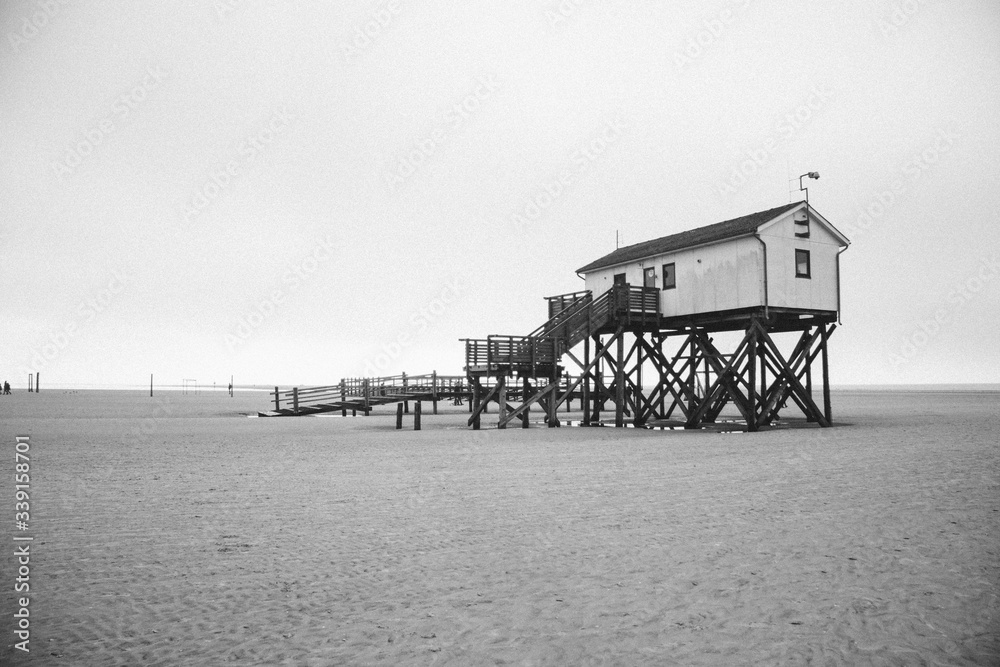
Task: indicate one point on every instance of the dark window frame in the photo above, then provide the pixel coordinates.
(672, 283)
(616, 281)
(799, 252)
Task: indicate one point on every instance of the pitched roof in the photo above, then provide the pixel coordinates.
(747, 224)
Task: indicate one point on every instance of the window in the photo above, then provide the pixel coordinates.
(802, 264)
(802, 225)
(620, 279)
(669, 276)
(649, 277)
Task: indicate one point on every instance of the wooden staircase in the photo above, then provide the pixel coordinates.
(573, 318)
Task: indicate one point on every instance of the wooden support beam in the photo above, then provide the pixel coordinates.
(553, 405)
(781, 389)
(399, 416)
(434, 390)
(526, 394)
(502, 401)
(752, 348)
(620, 385)
(786, 371)
(539, 396)
(827, 408)
(474, 420)
(416, 416)
(724, 380)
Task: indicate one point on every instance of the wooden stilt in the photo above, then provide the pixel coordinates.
(827, 407)
(585, 391)
(502, 401)
(620, 385)
(476, 391)
(752, 381)
(525, 397)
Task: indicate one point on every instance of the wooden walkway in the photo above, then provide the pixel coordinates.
(362, 394)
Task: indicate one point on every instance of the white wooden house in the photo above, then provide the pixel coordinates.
(784, 259)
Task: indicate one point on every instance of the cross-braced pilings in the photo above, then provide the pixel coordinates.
(615, 339)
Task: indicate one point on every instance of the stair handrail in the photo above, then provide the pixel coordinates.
(569, 311)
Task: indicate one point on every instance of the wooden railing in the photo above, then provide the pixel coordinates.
(560, 302)
(519, 351)
(635, 305)
(367, 388)
(573, 317)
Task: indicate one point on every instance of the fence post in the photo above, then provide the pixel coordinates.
(367, 388)
(295, 399)
(277, 400)
(406, 404)
(434, 389)
(416, 416)
(399, 416)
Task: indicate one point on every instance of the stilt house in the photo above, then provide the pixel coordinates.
(654, 306)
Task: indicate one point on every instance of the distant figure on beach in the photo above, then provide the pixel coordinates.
(458, 394)
(6, 387)
(230, 388)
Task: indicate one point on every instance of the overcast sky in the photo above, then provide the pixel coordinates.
(292, 192)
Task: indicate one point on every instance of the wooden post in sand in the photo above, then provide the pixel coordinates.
(277, 400)
(827, 410)
(399, 416)
(502, 400)
(37, 376)
(416, 416)
(474, 403)
(151, 385)
(525, 395)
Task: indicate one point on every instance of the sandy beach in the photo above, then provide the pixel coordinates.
(174, 530)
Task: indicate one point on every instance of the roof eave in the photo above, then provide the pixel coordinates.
(586, 270)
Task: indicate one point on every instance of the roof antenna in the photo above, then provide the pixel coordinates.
(616, 240)
(810, 174)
